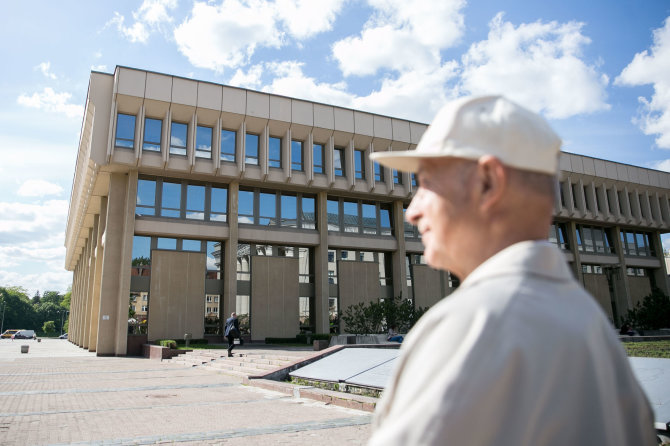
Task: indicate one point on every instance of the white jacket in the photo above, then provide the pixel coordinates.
(519, 355)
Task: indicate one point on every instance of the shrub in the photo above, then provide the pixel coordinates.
(652, 313)
(192, 341)
(377, 317)
(167, 343)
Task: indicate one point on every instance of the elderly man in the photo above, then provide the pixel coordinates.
(520, 354)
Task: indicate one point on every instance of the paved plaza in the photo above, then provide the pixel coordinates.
(60, 394)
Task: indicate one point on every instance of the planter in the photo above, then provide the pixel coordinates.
(24, 348)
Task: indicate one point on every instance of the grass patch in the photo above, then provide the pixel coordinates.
(651, 349)
(202, 346)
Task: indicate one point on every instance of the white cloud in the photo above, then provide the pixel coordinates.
(306, 18)
(652, 67)
(249, 79)
(102, 67)
(402, 34)
(225, 36)
(23, 222)
(51, 101)
(45, 68)
(661, 165)
(39, 188)
(149, 17)
(537, 64)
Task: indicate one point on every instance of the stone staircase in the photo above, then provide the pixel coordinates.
(244, 364)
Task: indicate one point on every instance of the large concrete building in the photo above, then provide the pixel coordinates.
(192, 199)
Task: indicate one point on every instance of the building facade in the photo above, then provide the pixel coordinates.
(191, 200)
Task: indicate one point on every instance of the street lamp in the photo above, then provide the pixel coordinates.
(2, 324)
(62, 313)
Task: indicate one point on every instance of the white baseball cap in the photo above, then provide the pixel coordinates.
(472, 127)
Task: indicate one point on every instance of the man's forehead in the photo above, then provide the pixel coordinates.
(430, 166)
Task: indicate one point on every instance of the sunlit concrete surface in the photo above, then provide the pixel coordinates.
(46, 348)
(654, 376)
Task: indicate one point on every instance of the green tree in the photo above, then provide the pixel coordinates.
(19, 312)
(141, 261)
(49, 327)
(652, 313)
(378, 317)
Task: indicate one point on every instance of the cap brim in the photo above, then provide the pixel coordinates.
(404, 161)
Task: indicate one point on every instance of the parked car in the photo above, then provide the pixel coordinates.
(25, 334)
(8, 333)
(63, 336)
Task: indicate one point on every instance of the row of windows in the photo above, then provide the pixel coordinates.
(153, 130)
(636, 244)
(598, 269)
(358, 217)
(594, 239)
(163, 198)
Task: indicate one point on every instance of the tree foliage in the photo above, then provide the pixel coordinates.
(22, 312)
(652, 313)
(49, 327)
(378, 317)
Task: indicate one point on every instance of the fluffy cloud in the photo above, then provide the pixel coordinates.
(537, 64)
(248, 79)
(26, 222)
(150, 16)
(653, 67)
(661, 165)
(51, 101)
(224, 36)
(45, 68)
(401, 35)
(39, 188)
(102, 68)
(305, 18)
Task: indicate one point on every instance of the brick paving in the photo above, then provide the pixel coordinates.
(59, 394)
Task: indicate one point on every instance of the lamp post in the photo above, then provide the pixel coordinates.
(62, 313)
(2, 324)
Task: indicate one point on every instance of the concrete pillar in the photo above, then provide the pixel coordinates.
(90, 270)
(621, 288)
(230, 254)
(321, 286)
(398, 257)
(95, 297)
(571, 228)
(115, 278)
(73, 305)
(660, 274)
(80, 267)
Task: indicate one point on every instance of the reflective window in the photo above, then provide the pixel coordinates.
(385, 219)
(289, 211)
(379, 173)
(228, 138)
(245, 207)
(317, 151)
(178, 136)
(308, 213)
(360, 166)
(268, 209)
(146, 197)
(274, 152)
(125, 131)
(214, 260)
(333, 212)
(338, 161)
(557, 235)
(219, 204)
(171, 202)
(413, 177)
(191, 245)
(350, 216)
(195, 202)
(203, 142)
(397, 177)
(296, 155)
(589, 238)
(167, 243)
(637, 243)
(243, 261)
(304, 266)
(251, 149)
(152, 134)
(141, 260)
(369, 218)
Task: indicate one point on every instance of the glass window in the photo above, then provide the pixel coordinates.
(251, 149)
(308, 214)
(304, 271)
(351, 220)
(385, 219)
(413, 177)
(243, 261)
(171, 203)
(152, 134)
(245, 207)
(191, 245)
(141, 260)
(268, 209)
(630, 242)
(369, 218)
(397, 177)
(360, 166)
(203, 142)
(146, 198)
(228, 144)
(167, 243)
(296, 155)
(125, 131)
(587, 239)
(289, 211)
(214, 260)
(219, 204)
(195, 202)
(274, 152)
(317, 150)
(333, 212)
(178, 135)
(641, 249)
(379, 173)
(338, 161)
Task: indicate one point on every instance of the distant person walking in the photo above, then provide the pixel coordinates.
(232, 332)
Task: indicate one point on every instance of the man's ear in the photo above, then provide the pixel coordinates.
(493, 179)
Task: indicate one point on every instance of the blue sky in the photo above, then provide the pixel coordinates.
(598, 70)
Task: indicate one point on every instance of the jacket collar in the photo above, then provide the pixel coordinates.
(534, 257)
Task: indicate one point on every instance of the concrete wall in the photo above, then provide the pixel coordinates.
(357, 282)
(428, 289)
(640, 287)
(274, 297)
(177, 297)
(597, 285)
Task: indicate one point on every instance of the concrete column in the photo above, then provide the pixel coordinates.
(660, 274)
(95, 298)
(73, 305)
(80, 267)
(88, 278)
(398, 257)
(622, 288)
(321, 286)
(113, 271)
(230, 254)
(574, 249)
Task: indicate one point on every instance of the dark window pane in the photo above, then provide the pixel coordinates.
(251, 149)
(296, 155)
(152, 134)
(289, 206)
(195, 202)
(318, 158)
(358, 159)
(178, 136)
(268, 209)
(245, 206)
(333, 210)
(379, 173)
(125, 131)
(274, 152)
(219, 205)
(385, 220)
(203, 142)
(228, 145)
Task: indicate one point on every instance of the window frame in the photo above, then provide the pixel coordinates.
(248, 157)
(176, 149)
(224, 155)
(200, 153)
(118, 138)
(321, 166)
(295, 165)
(152, 146)
(278, 162)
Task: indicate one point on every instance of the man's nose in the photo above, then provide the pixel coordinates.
(412, 215)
